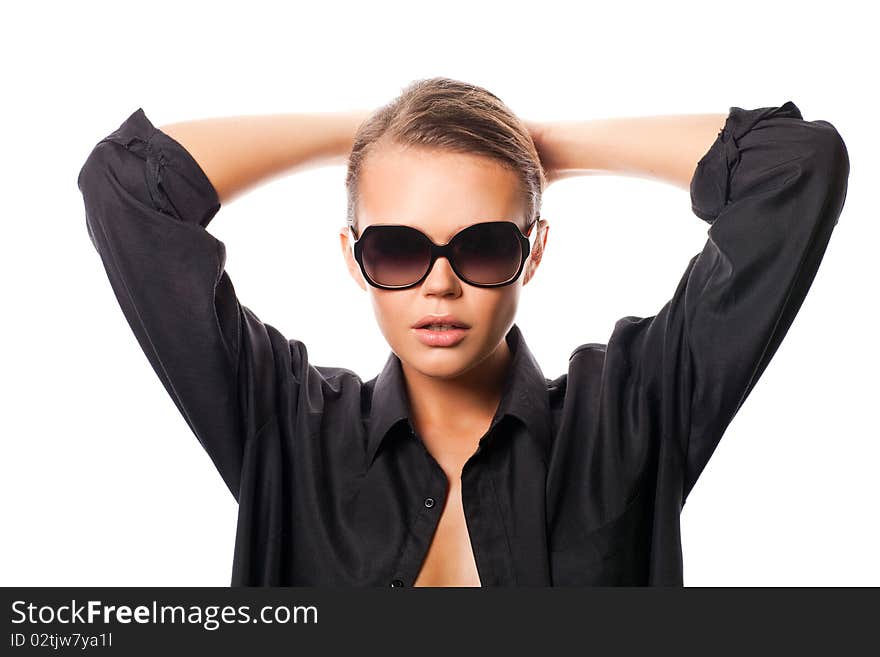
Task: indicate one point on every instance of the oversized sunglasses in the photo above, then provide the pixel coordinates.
(487, 254)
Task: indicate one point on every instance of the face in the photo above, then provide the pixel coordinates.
(441, 193)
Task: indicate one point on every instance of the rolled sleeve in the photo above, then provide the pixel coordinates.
(147, 202)
(771, 186)
(177, 184)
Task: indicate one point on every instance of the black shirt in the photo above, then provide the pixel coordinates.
(580, 480)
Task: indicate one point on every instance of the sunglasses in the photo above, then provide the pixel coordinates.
(487, 254)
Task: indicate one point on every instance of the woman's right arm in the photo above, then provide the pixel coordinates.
(238, 153)
(148, 201)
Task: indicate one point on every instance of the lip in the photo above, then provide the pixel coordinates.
(448, 338)
(440, 319)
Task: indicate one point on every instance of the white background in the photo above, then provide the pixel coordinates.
(102, 481)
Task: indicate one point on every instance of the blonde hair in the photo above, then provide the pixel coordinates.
(455, 116)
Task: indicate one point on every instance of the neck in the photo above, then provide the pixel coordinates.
(456, 412)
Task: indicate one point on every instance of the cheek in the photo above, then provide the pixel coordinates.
(390, 308)
(498, 300)
(494, 309)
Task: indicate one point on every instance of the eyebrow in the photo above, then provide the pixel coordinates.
(456, 231)
(460, 228)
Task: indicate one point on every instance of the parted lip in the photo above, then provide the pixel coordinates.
(440, 319)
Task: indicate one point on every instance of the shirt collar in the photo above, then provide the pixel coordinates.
(525, 396)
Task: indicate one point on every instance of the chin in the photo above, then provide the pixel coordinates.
(441, 362)
(442, 371)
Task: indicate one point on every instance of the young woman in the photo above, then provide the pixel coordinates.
(461, 463)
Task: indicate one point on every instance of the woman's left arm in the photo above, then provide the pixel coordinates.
(663, 148)
(771, 185)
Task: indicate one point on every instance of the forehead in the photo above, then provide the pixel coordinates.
(439, 192)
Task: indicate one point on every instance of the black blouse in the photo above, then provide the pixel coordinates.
(580, 480)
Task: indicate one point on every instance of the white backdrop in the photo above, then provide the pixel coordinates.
(102, 481)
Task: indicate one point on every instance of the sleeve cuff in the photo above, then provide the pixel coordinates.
(710, 185)
(178, 184)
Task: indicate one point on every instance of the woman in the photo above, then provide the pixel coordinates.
(461, 464)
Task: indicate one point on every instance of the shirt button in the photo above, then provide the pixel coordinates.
(429, 502)
(396, 582)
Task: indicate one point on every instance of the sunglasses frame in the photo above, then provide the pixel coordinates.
(445, 251)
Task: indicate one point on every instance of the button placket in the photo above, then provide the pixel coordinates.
(425, 523)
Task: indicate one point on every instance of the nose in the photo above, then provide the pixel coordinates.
(441, 279)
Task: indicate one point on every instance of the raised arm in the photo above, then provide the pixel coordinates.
(238, 153)
(771, 186)
(148, 202)
(664, 148)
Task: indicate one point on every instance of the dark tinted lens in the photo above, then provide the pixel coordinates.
(488, 253)
(395, 255)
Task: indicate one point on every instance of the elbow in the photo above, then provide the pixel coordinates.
(92, 183)
(112, 173)
(831, 159)
(93, 169)
(831, 149)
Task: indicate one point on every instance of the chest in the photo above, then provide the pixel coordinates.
(449, 560)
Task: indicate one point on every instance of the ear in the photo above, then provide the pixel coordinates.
(537, 252)
(345, 241)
